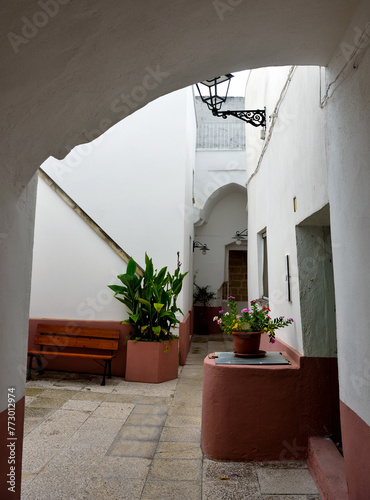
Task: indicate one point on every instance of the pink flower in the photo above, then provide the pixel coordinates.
(246, 310)
(291, 319)
(219, 321)
(272, 341)
(215, 318)
(220, 312)
(231, 297)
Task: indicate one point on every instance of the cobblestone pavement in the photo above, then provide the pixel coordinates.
(129, 440)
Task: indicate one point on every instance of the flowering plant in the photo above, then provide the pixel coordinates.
(256, 319)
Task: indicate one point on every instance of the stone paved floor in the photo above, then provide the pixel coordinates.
(138, 441)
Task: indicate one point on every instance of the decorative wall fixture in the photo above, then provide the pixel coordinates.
(240, 235)
(215, 94)
(201, 246)
(287, 279)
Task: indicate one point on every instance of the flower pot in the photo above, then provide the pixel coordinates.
(247, 342)
(152, 362)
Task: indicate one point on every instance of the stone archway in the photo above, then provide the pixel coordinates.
(73, 69)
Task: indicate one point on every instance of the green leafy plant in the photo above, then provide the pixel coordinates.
(203, 295)
(255, 319)
(151, 301)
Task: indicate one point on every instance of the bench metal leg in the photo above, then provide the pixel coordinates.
(110, 369)
(29, 367)
(105, 371)
(40, 368)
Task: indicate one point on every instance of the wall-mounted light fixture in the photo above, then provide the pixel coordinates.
(215, 94)
(201, 246)
(240, 236)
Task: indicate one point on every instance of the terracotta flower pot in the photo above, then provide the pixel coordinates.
(247, 342)
(152, 362)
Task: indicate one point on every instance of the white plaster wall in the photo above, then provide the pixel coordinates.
(227, 217)
(348, 112)
(72, 265)
(187, 209)
(294, 164)
(134, 183)
(215, 169)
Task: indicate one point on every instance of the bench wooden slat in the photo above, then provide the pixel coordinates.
(72, 354)
(84, 342)
(79, 331)
(74, 336)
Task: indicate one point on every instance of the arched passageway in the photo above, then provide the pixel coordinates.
(73, 69)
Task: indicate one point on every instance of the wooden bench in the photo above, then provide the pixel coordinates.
(75, 340)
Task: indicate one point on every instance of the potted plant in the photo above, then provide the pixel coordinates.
(247, 326)
(152, 350)
(204, 296)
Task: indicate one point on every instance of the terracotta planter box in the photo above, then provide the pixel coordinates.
(148, 361)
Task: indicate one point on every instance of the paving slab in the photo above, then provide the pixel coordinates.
(175, 470)
(125, 467)
(146, 419)
(113, 488)
(140, 433)
(176, 450)
(150, 409)
(113, 410)
(171, 490)
(231, 490)
(84, 405)
(288, 481)
(181, 435)
(139, 449)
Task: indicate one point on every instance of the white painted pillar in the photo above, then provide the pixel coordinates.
(17, 212)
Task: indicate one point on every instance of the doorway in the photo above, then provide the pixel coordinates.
(317, 301)
(238, 275)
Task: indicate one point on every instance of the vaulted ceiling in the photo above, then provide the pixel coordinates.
(70, 70)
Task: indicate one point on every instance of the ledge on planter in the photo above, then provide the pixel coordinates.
(327, 468)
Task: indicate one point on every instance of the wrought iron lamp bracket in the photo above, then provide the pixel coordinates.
(256, 117)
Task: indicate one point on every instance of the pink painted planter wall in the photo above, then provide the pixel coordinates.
(185, 336)
(262, 413)
(149, 362)
(356, 451)
(209, 313)
(77, 364)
